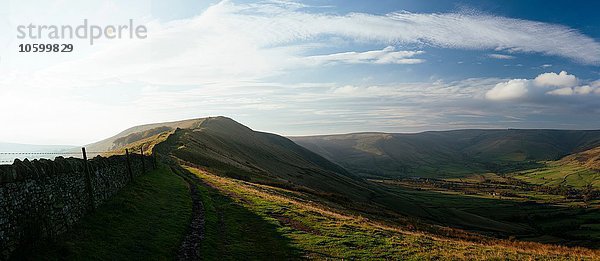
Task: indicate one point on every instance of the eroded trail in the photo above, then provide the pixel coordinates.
(190, 247)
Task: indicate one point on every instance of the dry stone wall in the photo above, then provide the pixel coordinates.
(41, 199)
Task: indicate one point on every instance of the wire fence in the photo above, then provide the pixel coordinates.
(57, 153)
(10, 157)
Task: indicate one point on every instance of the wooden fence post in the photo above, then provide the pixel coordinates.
(154, 160)
(143, 159)
(128, 165)
(88, 180)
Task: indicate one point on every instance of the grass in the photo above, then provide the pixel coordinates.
(242, 220)
(232, 232)
(527, 215)
(318, 231)
(556, 173)
(146, 220)
(146, 144)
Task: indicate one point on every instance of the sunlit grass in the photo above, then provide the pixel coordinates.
(322, 232)
(556, 173)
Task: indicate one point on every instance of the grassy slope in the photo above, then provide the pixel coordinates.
(234, 150)
(146, 144)
(589, 159)
(144, 221)
(558, 173)
(319, 231)
(553, 219)
(577, 170)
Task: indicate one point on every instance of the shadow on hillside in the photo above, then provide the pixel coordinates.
(231, 231)
(506, 217)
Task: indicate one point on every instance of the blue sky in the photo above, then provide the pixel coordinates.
(300, 68)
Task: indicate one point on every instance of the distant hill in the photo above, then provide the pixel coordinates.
(448, 153)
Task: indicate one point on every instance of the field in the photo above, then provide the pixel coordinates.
(557, 173)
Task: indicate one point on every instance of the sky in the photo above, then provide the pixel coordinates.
(303, 67)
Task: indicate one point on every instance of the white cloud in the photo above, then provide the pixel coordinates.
(510, 90)
(386, 56)
(546, 65)
(347, 89)
(563, 79)
(586, 89)
(566, 91)
(501, 56)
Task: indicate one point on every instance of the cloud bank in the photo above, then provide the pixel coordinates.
(447, 30)
(557, 84)
(251, 42)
